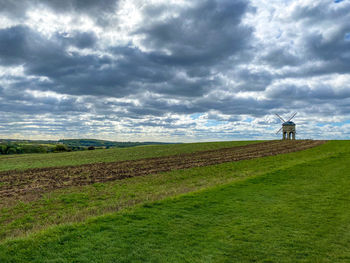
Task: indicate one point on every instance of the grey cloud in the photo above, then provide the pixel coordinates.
(14, 7)
(221, 34)
(252, 81)
(217, 117)
(228, 105)
(18, 101)
(79, 39)
(308, 94)
(164, 122)
(329, 50)
(85, 6)
(15, 45)
(335, 51)
(97, 10)
(319, 49)
(280, 57)
(324, 55)
(22, 45)
(321, 12)
(238, 106)
(203, 34)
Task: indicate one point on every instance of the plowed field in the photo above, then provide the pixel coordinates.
(33, 182)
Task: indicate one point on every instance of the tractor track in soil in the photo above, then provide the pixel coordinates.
(34, 182)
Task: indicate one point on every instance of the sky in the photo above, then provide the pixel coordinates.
(174, 70)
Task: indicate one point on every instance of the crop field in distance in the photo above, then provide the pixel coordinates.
(240, 201)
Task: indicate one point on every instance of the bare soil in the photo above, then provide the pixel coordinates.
(33, 182)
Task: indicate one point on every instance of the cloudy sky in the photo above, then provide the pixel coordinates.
(174, 70)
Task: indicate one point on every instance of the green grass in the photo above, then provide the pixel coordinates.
(26, 161)
(78, 203)
(286, 208)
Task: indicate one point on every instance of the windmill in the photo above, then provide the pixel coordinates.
(288, 128)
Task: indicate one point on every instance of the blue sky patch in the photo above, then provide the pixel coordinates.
(339, 124)
(347, 37)
(335, 124)
(195, 116)
(213, 123)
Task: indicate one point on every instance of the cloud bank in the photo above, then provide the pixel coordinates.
(173, 70)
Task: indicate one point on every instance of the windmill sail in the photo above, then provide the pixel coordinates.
(280, 117)
(279, 130)
(292, 116)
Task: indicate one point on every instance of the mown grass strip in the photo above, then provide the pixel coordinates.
(27, 161)
(298, 213)
(78, 203)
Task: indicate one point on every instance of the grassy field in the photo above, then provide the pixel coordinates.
(27, 161)
(286, 208)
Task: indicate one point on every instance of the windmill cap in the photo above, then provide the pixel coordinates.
(288, 123)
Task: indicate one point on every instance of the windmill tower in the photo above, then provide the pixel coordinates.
(288, 128)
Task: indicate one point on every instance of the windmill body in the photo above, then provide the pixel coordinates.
(288, 128)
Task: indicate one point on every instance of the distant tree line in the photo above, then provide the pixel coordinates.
(13, 148)
(29, 146)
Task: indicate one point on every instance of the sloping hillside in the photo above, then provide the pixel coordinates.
(286, 208)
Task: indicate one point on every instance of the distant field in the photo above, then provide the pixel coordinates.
(26, 161)
(287, 208)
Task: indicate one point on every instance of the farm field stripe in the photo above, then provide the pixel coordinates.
(36, 181)
(31, 161)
